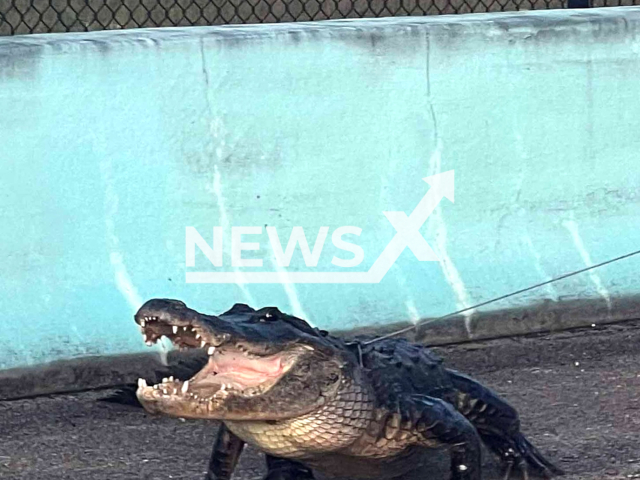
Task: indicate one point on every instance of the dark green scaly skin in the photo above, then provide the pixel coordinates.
(367, 411)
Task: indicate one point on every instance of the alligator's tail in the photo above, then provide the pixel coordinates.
(541, 466)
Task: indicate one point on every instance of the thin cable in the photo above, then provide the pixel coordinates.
(517, 292)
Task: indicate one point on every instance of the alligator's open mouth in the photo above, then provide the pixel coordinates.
(232, 367)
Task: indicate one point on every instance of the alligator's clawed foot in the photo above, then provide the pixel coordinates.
(508, 468)
(511, 465)
(521, 460)
(464, 473)
(288, 475)
(465, 461)
(281, 469)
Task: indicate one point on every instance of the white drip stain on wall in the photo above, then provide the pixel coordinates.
(218, 134)
(409, 302)
(122, 279)
(438, 231)
(216, 189)
(572, 226)
(538, 265)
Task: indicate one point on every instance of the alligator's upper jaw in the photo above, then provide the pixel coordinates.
(181, 334)
(231, 370)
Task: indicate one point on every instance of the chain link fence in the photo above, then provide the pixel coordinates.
(45, 16)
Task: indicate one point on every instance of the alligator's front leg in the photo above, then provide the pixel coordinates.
(225, 455)
(283, 469)
(438, 423)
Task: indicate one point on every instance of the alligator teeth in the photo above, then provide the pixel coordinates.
(202, 344)
(197, 335)
(220, 393)
(211, 350)
(143, 322)
(165, 380)
(174, 329)
(142, 383)
(184, 329)
(185, 387)
(149, 343)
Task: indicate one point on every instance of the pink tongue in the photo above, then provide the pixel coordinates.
(239, 364)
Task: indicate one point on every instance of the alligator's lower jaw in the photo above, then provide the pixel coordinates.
(229, 372)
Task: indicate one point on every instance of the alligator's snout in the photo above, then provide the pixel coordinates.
(166, 310)
(183, 326)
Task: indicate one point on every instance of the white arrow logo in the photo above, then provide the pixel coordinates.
(407, 235)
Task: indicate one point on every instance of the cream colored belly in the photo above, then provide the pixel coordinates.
(299, 437)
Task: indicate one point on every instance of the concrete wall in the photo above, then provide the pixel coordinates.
(112, 143)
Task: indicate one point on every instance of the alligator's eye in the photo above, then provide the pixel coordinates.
(266, 318)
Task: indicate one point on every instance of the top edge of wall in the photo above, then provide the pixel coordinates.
(522, 21)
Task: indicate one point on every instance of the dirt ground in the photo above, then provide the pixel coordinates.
(578, 394)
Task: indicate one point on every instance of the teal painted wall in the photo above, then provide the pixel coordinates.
(112, 143)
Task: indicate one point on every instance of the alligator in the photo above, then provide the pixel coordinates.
(312, 402)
